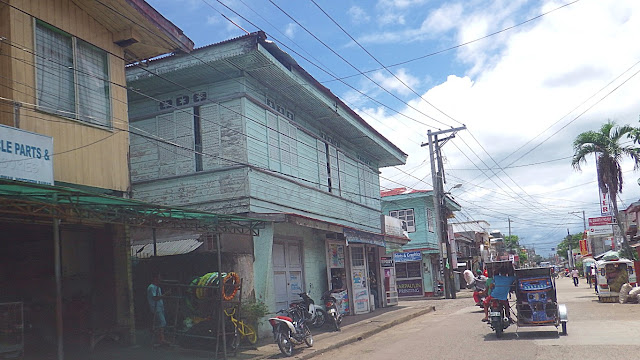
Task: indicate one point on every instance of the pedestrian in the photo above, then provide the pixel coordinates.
(156, 305)
(574, 275)
(594, 277)
(588, 276)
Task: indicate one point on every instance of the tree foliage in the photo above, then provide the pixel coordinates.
(563, 246)
(609, 150)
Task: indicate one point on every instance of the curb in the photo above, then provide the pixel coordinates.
(365, 334)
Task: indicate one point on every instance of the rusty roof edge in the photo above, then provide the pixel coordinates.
(184, 43)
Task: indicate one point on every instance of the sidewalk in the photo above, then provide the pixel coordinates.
(354, 328)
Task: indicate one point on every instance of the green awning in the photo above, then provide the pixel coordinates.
(20, 201)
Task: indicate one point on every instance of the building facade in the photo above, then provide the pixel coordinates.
(418, 266)
(64, 123)
(243, 129)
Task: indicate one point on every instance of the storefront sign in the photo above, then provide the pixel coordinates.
(386, 261)
(408, 256)
(411, 287)
(25, 156)
(361, 237)
(599, 221)
(600, 230)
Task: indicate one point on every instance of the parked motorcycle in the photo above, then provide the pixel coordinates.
(316, 316)
(332, 309)
(499, 318)
(291, 329)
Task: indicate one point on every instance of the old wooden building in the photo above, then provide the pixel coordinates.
(63, 109)
(244, 129)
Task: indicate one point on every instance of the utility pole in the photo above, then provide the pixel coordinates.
(584, 226)
(439, 205)
(509, 220)
(570, 251)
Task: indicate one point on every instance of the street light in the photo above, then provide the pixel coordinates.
(456, 186)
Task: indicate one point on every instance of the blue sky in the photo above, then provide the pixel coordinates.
(524, 93)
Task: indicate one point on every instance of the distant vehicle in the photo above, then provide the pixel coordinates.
(611, 274)
(545, 264)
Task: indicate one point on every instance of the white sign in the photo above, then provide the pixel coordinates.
(605, 207)
(600, 230)
(25, 156)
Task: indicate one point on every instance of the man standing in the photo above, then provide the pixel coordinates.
(156, 305)
(574, 275)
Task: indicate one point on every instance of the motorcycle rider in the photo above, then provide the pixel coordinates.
(480, 288)
(502, 286)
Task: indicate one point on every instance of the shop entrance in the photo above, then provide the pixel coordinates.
(287, 272)
(359, 276)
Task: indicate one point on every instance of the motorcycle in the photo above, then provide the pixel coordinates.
(499, 318)
(332, 309)
(315, 313)
(291, 329)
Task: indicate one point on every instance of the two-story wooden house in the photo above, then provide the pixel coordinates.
(64, 124)
(418, 266)
(245, 130)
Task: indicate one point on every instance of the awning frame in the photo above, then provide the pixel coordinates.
(33, 202)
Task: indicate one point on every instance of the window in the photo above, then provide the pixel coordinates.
(430, 223)
(72, 76)
(357, 256)
(282, 139)
(408, 270)
(407, 216)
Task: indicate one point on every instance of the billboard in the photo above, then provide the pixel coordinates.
(25, 156)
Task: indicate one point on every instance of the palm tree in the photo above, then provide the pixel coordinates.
(609, 151)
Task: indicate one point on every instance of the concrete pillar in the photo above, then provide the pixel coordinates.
(123, 279)
(263, 272)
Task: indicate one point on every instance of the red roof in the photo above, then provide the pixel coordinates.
(401, 191)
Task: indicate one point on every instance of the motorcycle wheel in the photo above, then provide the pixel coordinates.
(336, 322)
(499, 331)
(308, 338)
(285, 344)
(321, 318)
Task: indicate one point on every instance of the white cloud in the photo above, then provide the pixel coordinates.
(290, 30)
(391, 18)
(517, 85)
(400, 4)
(443, 19)
(396, 83)
(358, 15)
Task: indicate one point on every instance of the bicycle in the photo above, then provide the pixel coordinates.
(241, 330)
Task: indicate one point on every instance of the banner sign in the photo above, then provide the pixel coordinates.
(584, 250)
(25, 156)
(409, 287)
(408, 256)
(601, 220)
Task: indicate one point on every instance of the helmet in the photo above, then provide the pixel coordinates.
(478, 271)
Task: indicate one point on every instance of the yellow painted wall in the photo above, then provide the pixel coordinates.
(84, 154)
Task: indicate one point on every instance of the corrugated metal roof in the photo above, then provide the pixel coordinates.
(402, 191)
(166, 248)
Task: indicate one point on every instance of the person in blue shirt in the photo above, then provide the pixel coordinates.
(156, 305)
(502, 286)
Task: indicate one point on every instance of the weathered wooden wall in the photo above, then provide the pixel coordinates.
(84, 154)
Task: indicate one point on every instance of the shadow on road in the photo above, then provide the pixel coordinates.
(523, 335)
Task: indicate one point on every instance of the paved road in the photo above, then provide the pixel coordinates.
(454, 330)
